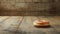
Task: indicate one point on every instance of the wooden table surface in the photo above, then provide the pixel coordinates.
(24, 25)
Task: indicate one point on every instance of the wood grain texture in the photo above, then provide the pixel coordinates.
(9, 26)
(27, 27)
(24, 25)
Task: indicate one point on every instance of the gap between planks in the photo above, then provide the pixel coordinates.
(27, 26)
(19, 24)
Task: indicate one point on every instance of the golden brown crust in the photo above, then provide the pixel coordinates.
(41, 23)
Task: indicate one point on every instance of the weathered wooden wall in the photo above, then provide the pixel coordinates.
(28, 7)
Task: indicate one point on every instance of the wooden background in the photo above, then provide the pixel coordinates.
(29, 7)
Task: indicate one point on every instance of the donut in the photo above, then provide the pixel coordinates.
(41, 23)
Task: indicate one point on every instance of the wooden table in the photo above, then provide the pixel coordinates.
(24, 25)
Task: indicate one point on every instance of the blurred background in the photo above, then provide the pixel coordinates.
(29, 7)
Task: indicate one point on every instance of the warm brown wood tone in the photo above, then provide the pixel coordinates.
(29, 13)
(29, 7)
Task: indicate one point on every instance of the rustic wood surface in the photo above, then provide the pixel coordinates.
(24, 25)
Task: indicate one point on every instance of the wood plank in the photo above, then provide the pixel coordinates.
(3, 18)
(56, 23)
(51, 30)
(0, 16)
(27, 27)
(9, 26)
(13, 25)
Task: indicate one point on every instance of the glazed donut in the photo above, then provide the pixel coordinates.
(41, 23)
